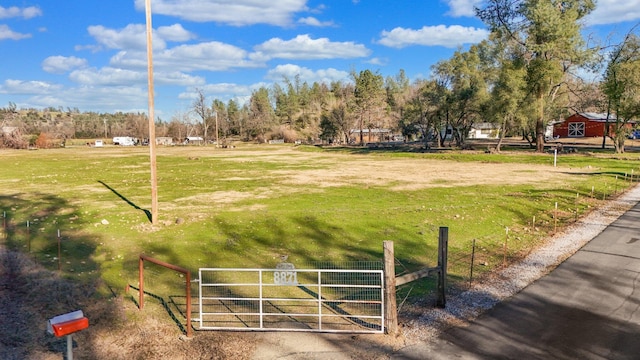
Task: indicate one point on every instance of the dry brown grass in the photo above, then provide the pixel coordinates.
(30, 295)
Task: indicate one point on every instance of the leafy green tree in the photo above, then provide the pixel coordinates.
(285, 104)
(221, 118)
(549, 33)
(506, 104)
(425, 113)
(398, 92)
(234, 117)
(337, 107)
(467, 76)
(261, 113)
(329, 129)
(369, 99)
(621, 86)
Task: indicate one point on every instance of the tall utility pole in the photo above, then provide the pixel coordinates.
(152, 126)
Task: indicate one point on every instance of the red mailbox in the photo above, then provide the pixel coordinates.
(69, 327)
(66, 324)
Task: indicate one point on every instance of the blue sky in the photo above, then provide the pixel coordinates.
(91, 55)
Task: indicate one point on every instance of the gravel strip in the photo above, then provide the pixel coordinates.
(467, 305)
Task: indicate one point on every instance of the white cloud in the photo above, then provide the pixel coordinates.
(174, 32)
(134, 36)
(377, 61)
(237, 12)
(440, 35)
(62, 64)
(11, 86)
(211, 56)
(177, 78)
(25, 13)
(459, 8)
(112, 99)
(311, 21)
(614, 11)
(107, 76)
(131, 40)
(7, 33)
(290, 71)
(303, 47)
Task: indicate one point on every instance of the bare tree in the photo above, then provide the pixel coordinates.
(203, 111)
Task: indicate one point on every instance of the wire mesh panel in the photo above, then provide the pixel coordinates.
(289, 299)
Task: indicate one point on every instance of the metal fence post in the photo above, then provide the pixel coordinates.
(473, 256)
(4, 224)
(443, 243)
(141, 282)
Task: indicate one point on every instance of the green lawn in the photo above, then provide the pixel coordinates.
(245, 207)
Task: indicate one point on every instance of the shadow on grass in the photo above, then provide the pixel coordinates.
(32, 289)
(166, 306)
(146, 212)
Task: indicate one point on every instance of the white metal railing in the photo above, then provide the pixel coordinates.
(289, 299)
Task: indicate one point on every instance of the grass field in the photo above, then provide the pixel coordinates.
(247, 206)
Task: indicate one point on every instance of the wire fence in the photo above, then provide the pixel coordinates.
(49, 246)
(472, 258)
(469, 259)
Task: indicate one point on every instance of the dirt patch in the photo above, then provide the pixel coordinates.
(419, 174)
(338, 169)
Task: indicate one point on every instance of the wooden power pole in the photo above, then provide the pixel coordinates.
(152, 126)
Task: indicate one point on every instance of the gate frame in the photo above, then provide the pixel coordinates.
(187, 273)
(319, 315)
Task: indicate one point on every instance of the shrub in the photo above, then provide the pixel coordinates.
(13, 140)
(42, 141)
(282, 132)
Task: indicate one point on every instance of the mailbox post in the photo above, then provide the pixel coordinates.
(66, 325)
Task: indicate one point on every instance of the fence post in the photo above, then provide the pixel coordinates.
(391, 311)
(59, 251)
(473, 256)
(141, 282)
(555, 218)
(28, 238)
(443, 243)
(504, 248)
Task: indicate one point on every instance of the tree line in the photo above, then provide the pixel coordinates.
(524, 76)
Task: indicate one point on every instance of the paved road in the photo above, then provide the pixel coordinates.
(587, 308)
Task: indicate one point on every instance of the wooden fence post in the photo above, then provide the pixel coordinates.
(391, 310)
(443, 243)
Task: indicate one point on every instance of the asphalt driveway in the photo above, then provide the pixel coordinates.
(587, 308)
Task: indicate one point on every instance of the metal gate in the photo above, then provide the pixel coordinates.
(289, 299)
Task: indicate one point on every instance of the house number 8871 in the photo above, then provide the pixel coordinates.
(285, 277)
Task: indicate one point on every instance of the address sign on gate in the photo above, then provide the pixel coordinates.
(285, 274)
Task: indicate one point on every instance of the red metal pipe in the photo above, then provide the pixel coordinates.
(171, 267)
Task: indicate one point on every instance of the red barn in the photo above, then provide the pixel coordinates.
(586, 125)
